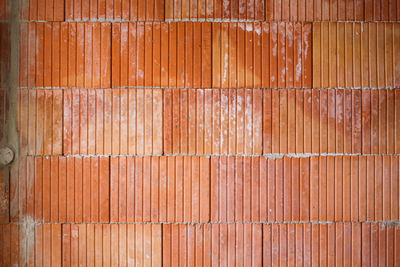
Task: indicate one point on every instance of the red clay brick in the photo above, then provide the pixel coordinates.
(143, 68)
(18, 248)
(214, 244)
(114, 244)
(343, 243)
(52, 10)
(341, 68)
(359, 10)
(333, 116)
(148, 10)
(110, 127)
(67, 62)
(159, 189)
(62, 189)
(214, 9)
(210, 121)
(284, 51)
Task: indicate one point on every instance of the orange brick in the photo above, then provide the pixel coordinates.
(164, 189)
(359, 10)
(319, 243)
(105, 121)
(148, 10)
(210, 121)
(166, 71)
(62, 189)
(354, 70)
(227, 10)
(284, 55)
(66, 64)
(112, 244)
(214, 244)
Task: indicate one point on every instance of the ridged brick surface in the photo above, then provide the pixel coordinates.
(262, 55)
(200, 133)
(113, 245)
(63, 54)
(333, 188)
(161, 54)
(208, 121)
(341, 10)
(356, 55)
(214, 9)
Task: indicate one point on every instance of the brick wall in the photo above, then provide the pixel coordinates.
(201, 133)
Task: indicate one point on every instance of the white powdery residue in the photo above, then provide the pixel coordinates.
(27, 238)
(226, 66)
(306, 33)
(283, 74)
(239, 100)
(299, 62)
(298, 71)
(140, 73)
(274, 48)
(249, 27)
(226, 6)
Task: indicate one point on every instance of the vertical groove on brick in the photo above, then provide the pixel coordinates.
(364, 60)
(339, 188)
(277, 67)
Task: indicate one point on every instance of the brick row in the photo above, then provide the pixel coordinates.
(364, 244)
(259, 10)
(208, 121)
(198, 189)
(183, 54)
(254, 189)
(132, 10)
(262, 55)
(119, 189)
(60, 189)
(49, 10)
(205, 121)
(176, 54)
(113, 245)
(356, 55)
(55, 54)
(214, 9)
(118, 121)
(341, 10)
(343, 244)
(159, 189)
(212, 245)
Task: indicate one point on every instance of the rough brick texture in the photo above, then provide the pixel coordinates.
(200, 133)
